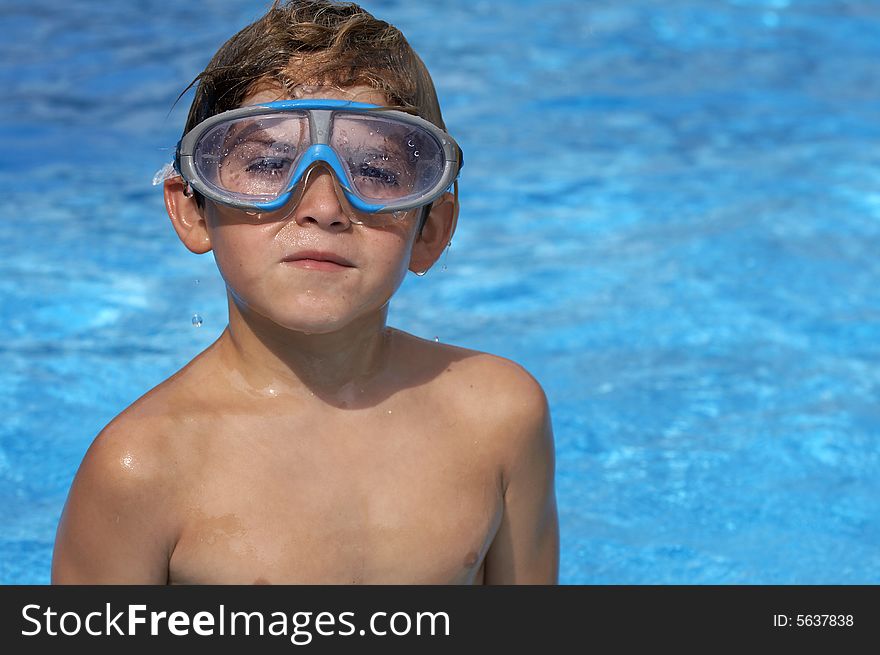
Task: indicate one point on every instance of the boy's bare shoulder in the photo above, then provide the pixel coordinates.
(143, 449)
(479, 378)
(493, 394)
(120, 522)
(134, 452)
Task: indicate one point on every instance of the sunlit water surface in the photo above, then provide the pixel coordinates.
(671, 217)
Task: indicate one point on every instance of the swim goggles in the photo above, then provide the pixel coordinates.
(253, 157)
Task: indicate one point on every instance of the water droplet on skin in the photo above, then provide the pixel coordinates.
(197, 320)
(398, 215)
(389, 411)
(416, 153)
(421, 273)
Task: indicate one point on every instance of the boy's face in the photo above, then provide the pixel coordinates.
(272, 262)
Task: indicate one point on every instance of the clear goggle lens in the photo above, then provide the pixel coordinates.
(255, 158)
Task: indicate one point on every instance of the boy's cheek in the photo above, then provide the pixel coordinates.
(249, 254)
(233, 259)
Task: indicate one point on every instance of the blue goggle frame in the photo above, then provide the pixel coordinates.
(320, 113)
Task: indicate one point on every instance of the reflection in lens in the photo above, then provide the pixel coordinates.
(386, 159)
(253, 157)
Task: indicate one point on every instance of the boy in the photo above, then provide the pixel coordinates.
(311, 443)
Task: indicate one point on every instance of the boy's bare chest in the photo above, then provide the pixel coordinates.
(365, 500)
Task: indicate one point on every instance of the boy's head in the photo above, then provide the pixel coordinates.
(307, 43)
(266, 169)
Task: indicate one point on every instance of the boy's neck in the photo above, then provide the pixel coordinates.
(339, 367)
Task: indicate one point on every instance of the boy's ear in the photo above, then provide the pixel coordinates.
(436, 233)
(186, 216)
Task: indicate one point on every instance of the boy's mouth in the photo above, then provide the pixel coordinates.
(317, 260)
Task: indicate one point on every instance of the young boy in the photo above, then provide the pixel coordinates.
(311, 443)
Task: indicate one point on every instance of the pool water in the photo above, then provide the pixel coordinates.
(670, 216)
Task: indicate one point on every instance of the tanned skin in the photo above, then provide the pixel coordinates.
(312, 443)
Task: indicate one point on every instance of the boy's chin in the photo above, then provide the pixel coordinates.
(308, 323)
(322, 328)
(312, 325)
(309, 316)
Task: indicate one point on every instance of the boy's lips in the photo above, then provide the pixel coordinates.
(318, 260)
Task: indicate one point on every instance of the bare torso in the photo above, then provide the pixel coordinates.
(400, 487)
(438, 470)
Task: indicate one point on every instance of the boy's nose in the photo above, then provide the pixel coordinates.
(319, 201)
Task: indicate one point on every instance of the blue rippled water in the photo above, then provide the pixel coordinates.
(671, 214)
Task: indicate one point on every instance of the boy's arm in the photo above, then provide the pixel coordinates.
(115, 524)
(526, 546)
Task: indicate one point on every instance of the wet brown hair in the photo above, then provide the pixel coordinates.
(315, 42)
